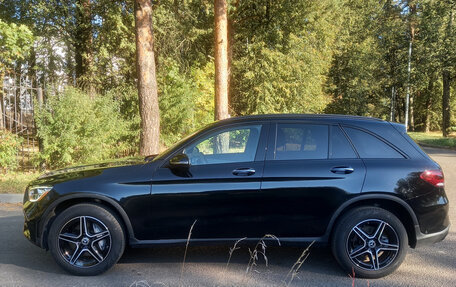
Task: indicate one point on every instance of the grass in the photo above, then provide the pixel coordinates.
(434, 139)
(15, 182)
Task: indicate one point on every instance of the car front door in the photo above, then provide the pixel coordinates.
(310, 170)
(218, 189)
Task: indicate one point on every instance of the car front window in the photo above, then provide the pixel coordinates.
(236, 144)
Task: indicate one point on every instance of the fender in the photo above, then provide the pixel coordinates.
(48, 213)
(368, 196)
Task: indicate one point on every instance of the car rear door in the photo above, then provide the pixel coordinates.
(220, 189)
(311, 168)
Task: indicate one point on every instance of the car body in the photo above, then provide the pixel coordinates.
(296, 177)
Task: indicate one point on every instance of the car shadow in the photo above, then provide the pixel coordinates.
(17, 250)
(21, 258)
(320, 260)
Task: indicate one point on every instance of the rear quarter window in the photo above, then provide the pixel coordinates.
(340, 146)
(369, 146)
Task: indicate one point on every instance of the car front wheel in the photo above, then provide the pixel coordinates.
(86, 239)
(369, 241)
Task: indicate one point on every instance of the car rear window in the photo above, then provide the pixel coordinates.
(340, 146)
(301, 141)
(369, 146)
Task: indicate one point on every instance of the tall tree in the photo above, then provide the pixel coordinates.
(147, 83)
(448, 63)
(15, 43)
(221, 59)
(361, 60)
(83, 45)
(281, 55)
(413, 30)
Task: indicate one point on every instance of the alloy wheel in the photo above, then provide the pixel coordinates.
(372, 244)
(84, 241)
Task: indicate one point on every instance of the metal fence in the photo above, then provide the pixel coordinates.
(17, 96)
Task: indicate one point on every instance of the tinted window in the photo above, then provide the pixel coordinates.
(340, 146)
(369, 146)
(301, 141)
(231, 145)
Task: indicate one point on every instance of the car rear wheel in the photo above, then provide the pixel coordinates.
(86, 239)
(370, 241)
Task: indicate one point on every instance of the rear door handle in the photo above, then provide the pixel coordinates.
(244, 171)
(342, 169)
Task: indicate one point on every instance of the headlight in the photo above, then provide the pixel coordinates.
(38, 192)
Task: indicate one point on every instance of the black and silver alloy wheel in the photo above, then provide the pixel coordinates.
(370, 241)
(372, 244)
(84, 241)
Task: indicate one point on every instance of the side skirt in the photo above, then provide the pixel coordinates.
(284, 241)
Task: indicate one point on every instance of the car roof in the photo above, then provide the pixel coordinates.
(318, 117)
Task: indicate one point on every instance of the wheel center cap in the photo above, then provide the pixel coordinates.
(85, 241)
(371, 244)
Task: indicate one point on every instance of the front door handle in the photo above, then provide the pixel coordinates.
(342, 169)
(244, 171)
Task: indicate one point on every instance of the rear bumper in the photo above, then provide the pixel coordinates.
(424, 239)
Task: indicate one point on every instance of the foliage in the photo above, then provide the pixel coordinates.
(114, 44)
(281, 55)
(183, 31)
(364, 64)
(289, 56)
(15, 42)
(76, 129)
(9, 147)
(126, 96)
(186, 102)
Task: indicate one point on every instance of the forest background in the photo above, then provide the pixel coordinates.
(124, 78)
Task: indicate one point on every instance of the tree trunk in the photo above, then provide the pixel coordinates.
(70, 68)
(221, 60)
(83, 46)
(446, 103)
(427, 123)
(412, 113)
(147, 83)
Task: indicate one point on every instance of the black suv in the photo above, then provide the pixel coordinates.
(359, 184)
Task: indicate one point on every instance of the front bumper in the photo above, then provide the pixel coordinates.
(31, 232)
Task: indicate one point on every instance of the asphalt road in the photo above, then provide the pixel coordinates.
(23, 264)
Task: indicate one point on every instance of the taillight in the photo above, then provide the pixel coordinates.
(434, 177)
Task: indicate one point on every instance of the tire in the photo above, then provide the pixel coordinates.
(362, 233)
(86, 239)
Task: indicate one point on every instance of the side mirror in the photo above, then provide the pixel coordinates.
(179, 161)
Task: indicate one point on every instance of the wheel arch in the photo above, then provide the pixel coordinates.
(392, 203)
(63, 203)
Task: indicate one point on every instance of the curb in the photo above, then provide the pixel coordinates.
(11, 198)
(436, 146)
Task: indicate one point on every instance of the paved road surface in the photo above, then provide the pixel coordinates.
(23, 264)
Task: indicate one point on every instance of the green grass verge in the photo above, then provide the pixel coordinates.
(15, 182)
(434, 139)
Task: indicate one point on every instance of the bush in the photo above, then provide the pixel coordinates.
(127, 97)
(9, 147)
(186, 100)
(74, 128)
